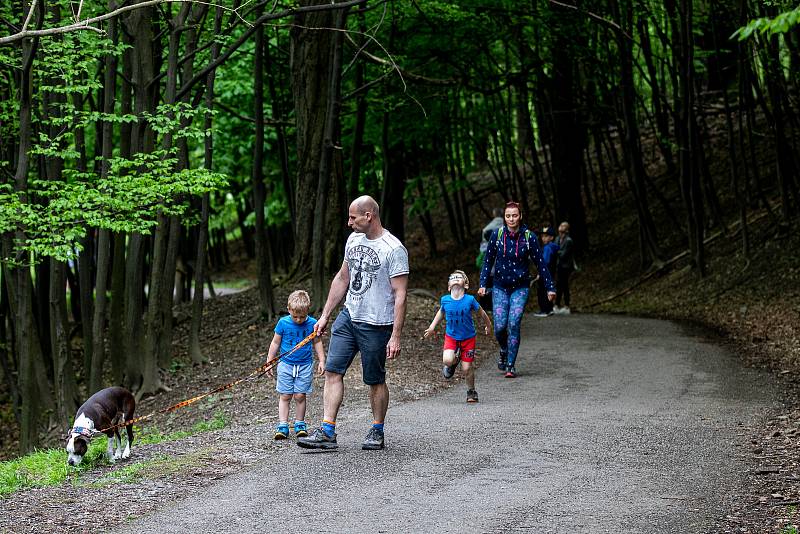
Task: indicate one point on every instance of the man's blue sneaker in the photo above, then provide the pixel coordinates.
(300, 429)
(374, 440)
(281, 432)
(318, 440)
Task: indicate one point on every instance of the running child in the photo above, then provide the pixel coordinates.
(295, 370)
(456, 309)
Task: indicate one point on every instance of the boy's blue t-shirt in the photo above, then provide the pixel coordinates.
(458, 314)
(291, 334)
(550, 256)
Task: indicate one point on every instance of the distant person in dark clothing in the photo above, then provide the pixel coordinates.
(564, 267)
(510, 253)
(486, 234)
(550, 257)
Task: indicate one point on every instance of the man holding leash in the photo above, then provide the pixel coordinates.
(374, 278)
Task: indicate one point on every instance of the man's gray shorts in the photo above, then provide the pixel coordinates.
(348, 338)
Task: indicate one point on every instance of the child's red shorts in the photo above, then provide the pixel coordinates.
(467, 347)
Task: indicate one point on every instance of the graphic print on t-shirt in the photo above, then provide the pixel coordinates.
(364, 264)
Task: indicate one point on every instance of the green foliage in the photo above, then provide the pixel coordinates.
(129, 199)
(48, 467)
(219, 421)
(767, 26)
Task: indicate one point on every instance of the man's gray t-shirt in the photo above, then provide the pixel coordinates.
(372, 264)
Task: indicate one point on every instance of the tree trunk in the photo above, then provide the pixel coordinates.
(568, 133)
(164, 347)
(195, 350)
(263, 260)
(134, 306)
(117, 339)
(63, 373)
(318, 270)
(394, 178)
(153, 319)
(283, 146)
(686, 131)
(648, 240)
(31, 367)
(661, 116)
(310, 68)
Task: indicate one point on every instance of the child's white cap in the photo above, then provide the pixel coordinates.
(458, 278)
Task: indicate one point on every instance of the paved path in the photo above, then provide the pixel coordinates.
(632, 425)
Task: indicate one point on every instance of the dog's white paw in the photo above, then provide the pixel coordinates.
(127, 452)
(118, 455)
(111, 459)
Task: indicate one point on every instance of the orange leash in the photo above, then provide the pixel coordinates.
(257, 373)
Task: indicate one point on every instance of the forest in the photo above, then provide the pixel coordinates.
(139, 139)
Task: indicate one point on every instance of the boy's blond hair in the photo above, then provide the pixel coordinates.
(454, 278)
(299, 301)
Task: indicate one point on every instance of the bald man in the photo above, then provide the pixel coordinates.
(374, 278)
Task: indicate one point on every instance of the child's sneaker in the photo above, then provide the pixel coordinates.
(472, 395)
(281, 431)
(449, 370)
(300, 429)
(511, 372)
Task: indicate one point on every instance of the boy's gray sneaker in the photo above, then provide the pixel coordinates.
(318, 440)
(374, 440)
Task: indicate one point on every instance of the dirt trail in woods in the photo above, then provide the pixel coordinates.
(615, 424)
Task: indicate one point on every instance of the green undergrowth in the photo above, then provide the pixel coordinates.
(48, 467)
(159, 466)
(234, 283)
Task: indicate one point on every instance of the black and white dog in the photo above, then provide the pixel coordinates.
(104, 409)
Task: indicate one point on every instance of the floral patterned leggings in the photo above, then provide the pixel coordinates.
(507, 309)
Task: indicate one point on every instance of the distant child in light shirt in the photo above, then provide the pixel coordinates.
(295, 370)
(456, 308)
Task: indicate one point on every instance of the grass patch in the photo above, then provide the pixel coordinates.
(158, 466)
(152, 435)
(48, 467)
(234, 283)
(218, 422)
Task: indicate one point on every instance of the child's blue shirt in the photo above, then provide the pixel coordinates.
(291, 334)
(458, 314)
(550, 256)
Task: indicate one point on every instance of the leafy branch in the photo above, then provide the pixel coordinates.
(782, 23)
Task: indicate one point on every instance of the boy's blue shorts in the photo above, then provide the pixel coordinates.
(294, 378)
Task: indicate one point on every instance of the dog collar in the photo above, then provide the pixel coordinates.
(82, 431)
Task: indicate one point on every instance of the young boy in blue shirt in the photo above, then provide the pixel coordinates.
(456, 308)
(295, 370)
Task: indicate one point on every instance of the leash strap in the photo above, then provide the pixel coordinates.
(256, 373)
